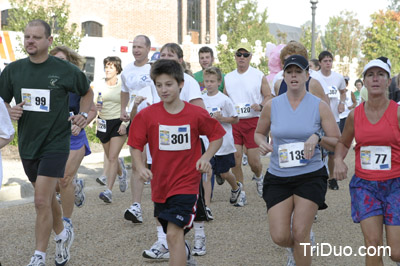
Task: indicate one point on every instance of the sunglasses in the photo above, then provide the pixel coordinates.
(245, 55)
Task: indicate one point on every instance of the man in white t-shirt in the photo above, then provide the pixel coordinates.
(337, 97)
(136, 81)
(249, 90)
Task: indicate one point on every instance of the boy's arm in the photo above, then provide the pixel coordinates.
(229, 120)
(203, 164)
(144, 173)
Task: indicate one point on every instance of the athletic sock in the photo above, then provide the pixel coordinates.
(162, 236)
(199, 229)
(63, 235)
(43, 254)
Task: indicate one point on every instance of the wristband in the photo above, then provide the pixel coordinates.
(261, 106)
(319, 137)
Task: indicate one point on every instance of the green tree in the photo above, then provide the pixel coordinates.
(54, 12)
(305, 39)
(382, 38)
(394, 5)
(239, 19)
(343, 35)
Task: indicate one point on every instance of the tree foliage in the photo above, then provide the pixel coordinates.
(382, 38)
(394, 5)
(54, 12)
(306, 36)
(343, 35)
(239, 19)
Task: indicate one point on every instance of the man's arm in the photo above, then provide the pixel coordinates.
(124, 102)
(265, 91)
(85, 105)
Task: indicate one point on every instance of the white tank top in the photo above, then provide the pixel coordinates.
(244, 90)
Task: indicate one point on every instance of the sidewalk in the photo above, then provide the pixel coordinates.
(16, 185)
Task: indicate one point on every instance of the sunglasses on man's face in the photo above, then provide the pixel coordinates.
(245, 55)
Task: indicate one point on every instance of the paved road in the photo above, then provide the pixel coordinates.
(237, 236)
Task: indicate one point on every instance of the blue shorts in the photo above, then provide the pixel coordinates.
(81, 140)
(375, 198)
(222, 163)
(178, 209)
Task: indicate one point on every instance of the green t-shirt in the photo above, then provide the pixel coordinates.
(199, 77)
(43, 126)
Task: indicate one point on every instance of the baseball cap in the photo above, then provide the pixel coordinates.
(244, 46)
(297, 60)
(381, 62)
(154, 57)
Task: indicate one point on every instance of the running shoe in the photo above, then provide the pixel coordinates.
(123, 182)
(36, 260)
(190, 260)
(244, 159)
(219, 179)
(209, 214)
(80, 196)
(106, 196)
(157, 251)
(102, 180)
(290, 258)
(62, 248)
(259, 185)
(235, 194)
(134, 213)
(242, 200)
(332, 184)
(199, 248)
(312, 240)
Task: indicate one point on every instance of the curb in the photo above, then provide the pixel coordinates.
(18, 188)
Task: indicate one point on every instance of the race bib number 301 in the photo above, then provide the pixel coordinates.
(376, 157)
(291, 155)
(36, 100)
(174, 138)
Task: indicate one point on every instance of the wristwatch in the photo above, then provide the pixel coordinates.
(85, 115)
(261, 107)
(319, 136)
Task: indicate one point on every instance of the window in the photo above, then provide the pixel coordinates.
(194, 20)
(5, 14)
(88, 68)
(92, 28)
(179, 21)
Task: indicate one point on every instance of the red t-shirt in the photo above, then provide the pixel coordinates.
(385, 132)
(174, 171)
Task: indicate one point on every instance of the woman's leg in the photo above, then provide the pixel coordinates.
(393, 240)
(114, 147)
(279, 219)
(372, 229)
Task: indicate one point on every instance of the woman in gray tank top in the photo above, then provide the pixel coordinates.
(296, 181)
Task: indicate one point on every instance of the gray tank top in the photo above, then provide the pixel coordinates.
(293, 126)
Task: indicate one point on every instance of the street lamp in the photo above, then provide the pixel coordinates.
(313, 7)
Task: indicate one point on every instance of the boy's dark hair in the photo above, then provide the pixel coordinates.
(316, 63)
(206, 49)
(358, 81)
(168, 67)
(213, 71)
(324, 54)
(113, 60)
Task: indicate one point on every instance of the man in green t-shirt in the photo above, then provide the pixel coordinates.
(40, 84)
(206, 59)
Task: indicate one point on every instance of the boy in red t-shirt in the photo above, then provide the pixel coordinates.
(172, 129)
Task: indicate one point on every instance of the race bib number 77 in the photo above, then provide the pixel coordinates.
(376, 157)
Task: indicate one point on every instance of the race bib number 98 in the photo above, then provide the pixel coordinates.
(174, 138)
(376, 157)
(291, 155)
(36, 100)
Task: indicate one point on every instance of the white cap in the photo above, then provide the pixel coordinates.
(378, 63)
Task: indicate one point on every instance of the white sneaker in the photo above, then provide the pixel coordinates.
(312, 240)
(244, 159)
(36, 260)
(199, 248)
(63, 246)
(157, 251)
(259, 185)
(123, 182)
(106, 196)
(80, 196)
(290, 258)
(134, 214)
(235, 194)
(102, 180)
(242, 200)
(209, 214)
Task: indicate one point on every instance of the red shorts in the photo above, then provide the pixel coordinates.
(243, 132)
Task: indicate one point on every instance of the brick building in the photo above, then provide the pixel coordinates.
(162, 20)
